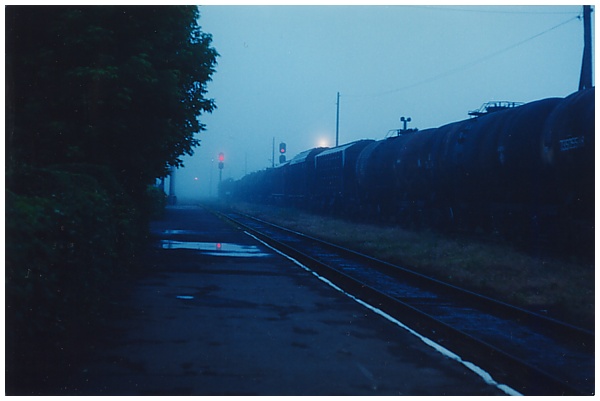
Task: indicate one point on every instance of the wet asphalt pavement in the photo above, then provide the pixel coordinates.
(218, 313)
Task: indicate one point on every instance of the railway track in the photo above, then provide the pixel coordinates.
(532, 354)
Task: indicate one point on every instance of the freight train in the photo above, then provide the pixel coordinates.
(524, 172)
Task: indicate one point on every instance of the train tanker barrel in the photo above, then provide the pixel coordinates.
(456, 151)
(376, 178)
(518, 151)
(568, 142)
(487, 165)
(568, 159)
(414, 167)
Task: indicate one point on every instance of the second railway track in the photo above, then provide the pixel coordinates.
(530, 353)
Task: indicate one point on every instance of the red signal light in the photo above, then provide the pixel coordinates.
(282, 147)
(221, 157)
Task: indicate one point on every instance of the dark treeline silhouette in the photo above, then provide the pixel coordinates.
(100, 101)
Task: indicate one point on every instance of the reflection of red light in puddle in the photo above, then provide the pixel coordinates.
(218, 246)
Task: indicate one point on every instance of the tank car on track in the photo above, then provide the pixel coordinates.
(525, 172)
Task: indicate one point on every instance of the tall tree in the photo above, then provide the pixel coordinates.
(110, 85)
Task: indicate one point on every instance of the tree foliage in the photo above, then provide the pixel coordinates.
(99, 102)
(115, 86)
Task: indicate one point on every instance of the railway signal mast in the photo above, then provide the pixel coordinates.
(282, 149)
(405, 121)
(221, 165)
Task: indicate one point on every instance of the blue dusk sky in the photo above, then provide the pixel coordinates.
(281, 67)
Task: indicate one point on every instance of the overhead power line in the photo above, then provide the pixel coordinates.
(469, 64)
(499, 10)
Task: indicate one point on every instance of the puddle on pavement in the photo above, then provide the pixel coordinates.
(215, 248)
(179, 232)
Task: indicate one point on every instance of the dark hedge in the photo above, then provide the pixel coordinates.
(71, 232)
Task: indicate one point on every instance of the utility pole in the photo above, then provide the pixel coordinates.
(337, 121)
(585, 80)
(273, 154)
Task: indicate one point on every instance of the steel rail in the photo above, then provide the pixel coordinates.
(558, 329)
(504, 366)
